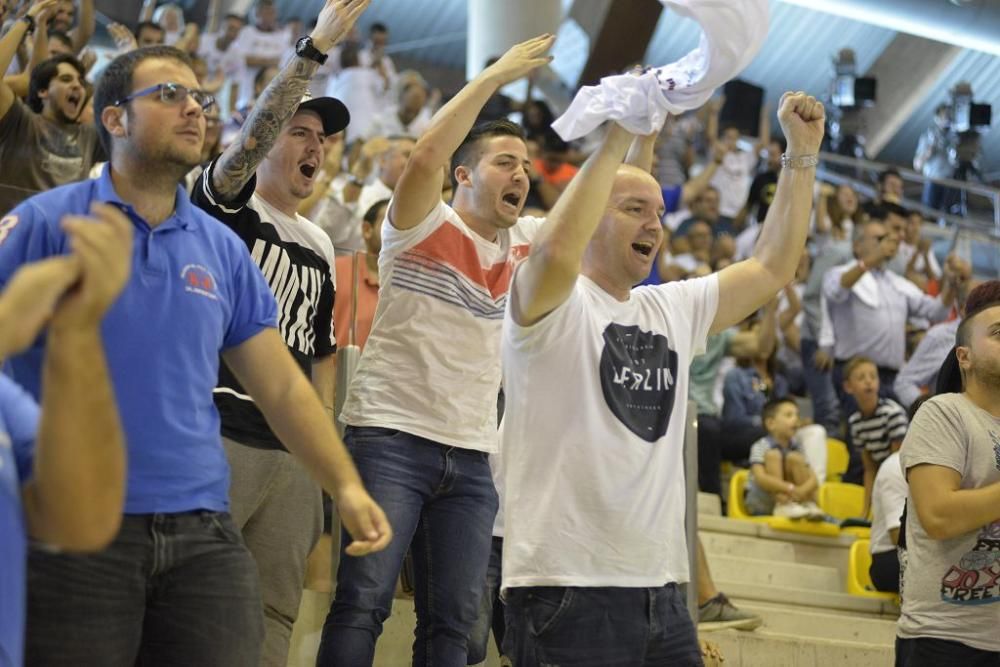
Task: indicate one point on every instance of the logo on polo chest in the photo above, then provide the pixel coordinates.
(639, 378)
(199, 280)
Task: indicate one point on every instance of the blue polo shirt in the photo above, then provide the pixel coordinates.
(194, 292)
(18, 425)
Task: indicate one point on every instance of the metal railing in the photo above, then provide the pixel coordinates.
(970, 221)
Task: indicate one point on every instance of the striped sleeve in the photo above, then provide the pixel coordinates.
(758, 450)
(896, 422)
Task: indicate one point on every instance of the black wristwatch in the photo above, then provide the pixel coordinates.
(30, 20)
(305, 49)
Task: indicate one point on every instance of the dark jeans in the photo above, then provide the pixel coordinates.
(600, 627)
(927, 652)
(441, 499)
(491, 610)
(885, 571)
(172, 589)
(819, 387)
(848, 406)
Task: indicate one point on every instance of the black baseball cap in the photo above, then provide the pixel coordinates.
(331, 112)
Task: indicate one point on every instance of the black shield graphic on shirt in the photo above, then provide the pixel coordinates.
(638, 378)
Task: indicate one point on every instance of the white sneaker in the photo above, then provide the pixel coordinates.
(791, 510)
(816, 513)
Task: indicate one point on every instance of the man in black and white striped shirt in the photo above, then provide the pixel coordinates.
(879, 425)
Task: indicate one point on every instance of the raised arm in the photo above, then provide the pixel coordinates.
(20, 82)
(419, 188)
(9, 45)
(640, 153)
(747, 285)
(279, 101)
(85, 25)
(547, 277)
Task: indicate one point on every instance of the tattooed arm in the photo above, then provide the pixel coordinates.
(279, 101)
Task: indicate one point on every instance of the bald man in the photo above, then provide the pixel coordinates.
(594, 505)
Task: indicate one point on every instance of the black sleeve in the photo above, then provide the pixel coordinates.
(753, 199)
(323, 325)
(204, 196)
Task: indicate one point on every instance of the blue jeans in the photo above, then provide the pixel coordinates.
(819, 385)
(441, 499)
(600, 627)
(172, 589)
(491, 610)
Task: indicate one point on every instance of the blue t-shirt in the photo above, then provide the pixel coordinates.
(193, 293)
(18, 425)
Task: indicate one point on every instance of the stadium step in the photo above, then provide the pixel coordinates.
(765, 648)
(826, 624)
(777, 573)
(812, 599)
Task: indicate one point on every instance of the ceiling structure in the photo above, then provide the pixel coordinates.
(802, 41)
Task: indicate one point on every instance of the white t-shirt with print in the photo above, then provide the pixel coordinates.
(888, 500)
(593, 436)
(732, 179)
(431, 365)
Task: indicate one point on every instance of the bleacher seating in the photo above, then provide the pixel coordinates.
(859, 581)
(837, 459)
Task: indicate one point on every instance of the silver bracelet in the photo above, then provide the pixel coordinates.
(799, 161)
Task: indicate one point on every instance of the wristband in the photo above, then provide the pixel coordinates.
(30, 20)
(799, 161)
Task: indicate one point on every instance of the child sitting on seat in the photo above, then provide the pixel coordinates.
(879, 425)
(781, 482)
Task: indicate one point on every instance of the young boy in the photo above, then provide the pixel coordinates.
(781, 482)
(878, 426)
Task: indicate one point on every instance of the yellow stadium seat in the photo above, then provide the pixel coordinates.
(842, 500)
(837, 459)
(859, 581)
(735, 509)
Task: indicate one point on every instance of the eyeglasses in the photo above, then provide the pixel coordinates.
(173, 94)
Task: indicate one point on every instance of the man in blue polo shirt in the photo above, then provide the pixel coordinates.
(62, 471)
(177, 585)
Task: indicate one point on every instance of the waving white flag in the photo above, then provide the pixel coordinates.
(732, 33)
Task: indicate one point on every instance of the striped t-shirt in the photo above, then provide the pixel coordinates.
(431, 364)
(876, 433)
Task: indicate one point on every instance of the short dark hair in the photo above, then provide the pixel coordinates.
(143, 25)
(884, 176)
(470, 150)
(378, 27)
(372, 211)
(238, 17)
(882, 212)
(42, 76)
(854, 362)
(985, 295)
(60, 36)
(771, 407)
(116, 81)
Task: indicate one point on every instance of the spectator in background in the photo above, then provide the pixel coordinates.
(837, 213)
(869, 305)
(705, 209)
(170, 17)
(951, 601)
(374, 56)
(877, 426)
(148, 33)
(259, 45)
(931, 158)
(920, 265)
(699, 239)
(674, 153)
(366, 295)
(921, 370)
(216, 48)
(781, 482)
(361, 89)
(390, 165)
(889, 191)
(553, 165)
(65, 14)
(536, 119)
(762, 188)
(41, 143)
(409, 116)
(735, 174)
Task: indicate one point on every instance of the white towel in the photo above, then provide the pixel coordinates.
(732, 33)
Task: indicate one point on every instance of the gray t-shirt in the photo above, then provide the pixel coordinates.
(951, 588)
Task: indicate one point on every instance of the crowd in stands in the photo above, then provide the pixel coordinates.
(339, 157)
